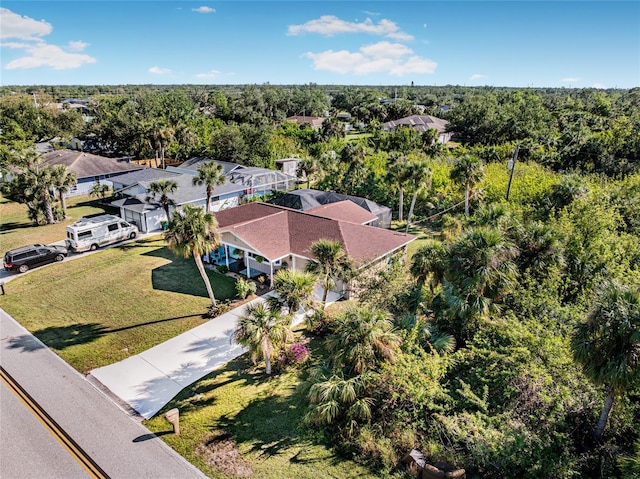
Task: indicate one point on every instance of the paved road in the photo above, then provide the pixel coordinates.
(118, 444)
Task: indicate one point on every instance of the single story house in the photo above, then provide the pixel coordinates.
(422, 123)
(306, 199)
(261, 238)
(90, 169)
(241, 182)
(314, 122)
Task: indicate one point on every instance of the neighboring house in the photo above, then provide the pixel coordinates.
(90, 169)
(422, 123)
(314, 122)
(262, 238)
(307, 199)
(288, 165)
(242, 183)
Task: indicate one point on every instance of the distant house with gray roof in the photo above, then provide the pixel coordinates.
(241, 183)
(90, 169)
(309, 199)
(422, 123)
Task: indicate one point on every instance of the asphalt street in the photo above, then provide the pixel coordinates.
(120, 445)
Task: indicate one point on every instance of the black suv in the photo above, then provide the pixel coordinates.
(27, 257)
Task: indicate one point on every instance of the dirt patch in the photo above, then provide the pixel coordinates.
(221, 452)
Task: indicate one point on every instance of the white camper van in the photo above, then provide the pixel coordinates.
(90, 233)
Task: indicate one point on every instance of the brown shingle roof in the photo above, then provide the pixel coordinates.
(86, 165)
(343, 211)
(275, 231)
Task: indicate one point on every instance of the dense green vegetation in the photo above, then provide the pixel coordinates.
(509, 342)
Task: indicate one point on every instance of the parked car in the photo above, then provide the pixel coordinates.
(27, 257)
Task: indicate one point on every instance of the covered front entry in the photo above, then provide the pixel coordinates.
(244, 262)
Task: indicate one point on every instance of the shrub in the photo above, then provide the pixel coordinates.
(222, 269)
(244, 288)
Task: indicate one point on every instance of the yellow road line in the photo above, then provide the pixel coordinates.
(56, 431)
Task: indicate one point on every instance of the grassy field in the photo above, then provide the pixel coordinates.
(16, 229)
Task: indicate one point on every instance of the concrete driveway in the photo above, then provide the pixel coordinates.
(145, 383)
(149, 380)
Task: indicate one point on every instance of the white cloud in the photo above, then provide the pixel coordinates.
(78, 46)
(42, 54)
(159, 71)
(204, 9)
(570, 80)
(13, 25)
(599, 86)
(38, 53)
(371, 14)
(383, 57)
(210, 74)
(477, 76)
(330, 25)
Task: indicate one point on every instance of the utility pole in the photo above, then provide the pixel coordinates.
(513, 168)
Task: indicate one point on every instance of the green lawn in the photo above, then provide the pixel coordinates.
(107, 306)
(16, 229)
(237, 420)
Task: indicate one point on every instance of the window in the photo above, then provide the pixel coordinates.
(85, 234)
(123, 225)
(113, 227)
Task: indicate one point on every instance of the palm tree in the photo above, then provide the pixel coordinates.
(209, 174)
(332, 264)
(607, 344)
(163, 135)
(467, 171)
(429, 261)
(333, 397)
(362, 337)
(420, 178)
(399, 174)
(39, 183)
(295, 288)
(63, 179)
(192, 232)
(480, 270)
(99, 190)
(262, 329)
(162, 189)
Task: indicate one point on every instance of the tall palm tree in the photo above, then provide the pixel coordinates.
(39, 185)
(209, 174)
(163, 135)
(420, 179)
(362, 337)
(332, 264)
(192, 232)
(262, 329)
(295, 288)
(161, 190)
(467, 171)
(399, 174)
(607, 344)
(63, 179)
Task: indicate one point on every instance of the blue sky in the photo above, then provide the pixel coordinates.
(503, 43)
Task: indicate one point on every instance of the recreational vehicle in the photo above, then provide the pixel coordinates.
(90, 233)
